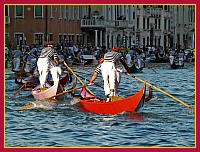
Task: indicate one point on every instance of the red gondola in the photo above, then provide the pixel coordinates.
(91, 103)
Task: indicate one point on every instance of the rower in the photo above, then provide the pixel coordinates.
(46, 64)
(109, 72)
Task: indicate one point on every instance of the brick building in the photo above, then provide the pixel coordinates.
(27, 24)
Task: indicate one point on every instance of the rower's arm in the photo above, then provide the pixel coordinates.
(125, 65)
(93, 77)
(56, 60)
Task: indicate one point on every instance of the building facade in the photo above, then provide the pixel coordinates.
(28, 24)
(102, 25)
(149, 25)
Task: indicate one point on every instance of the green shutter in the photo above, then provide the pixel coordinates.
(19, 10)
(38, 10)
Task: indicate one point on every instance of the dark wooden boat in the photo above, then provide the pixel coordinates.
(35, 81)
(176, 66)
(91, 103)
(83, 60)
(134, 69)
(159, 59)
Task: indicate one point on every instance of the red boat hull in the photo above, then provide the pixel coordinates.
(100, 106)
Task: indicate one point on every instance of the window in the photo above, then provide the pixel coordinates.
(169, 25)
(73, 38)
(19, 38)
(72, 12)
(7, 40)
(165, 7)
(60, 12)
(81, 39)
(129, 13)
(144, 23)
(39, 38)
(144, 41)
(159, 23)
(64, 12)
(7, 10)
(69, 38)
(19, 11)
(156, 23)
(138, 23)
(133, 28)
(38, 11)
(147, 23)
(50, 37)
(69, 12)
(60, 38)
(51, 11)
(165, 24)
(77, 12)
(65, 37)
(77, 39)
(133, 15)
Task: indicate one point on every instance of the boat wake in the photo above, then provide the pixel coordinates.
(154, 99)
(37, 105)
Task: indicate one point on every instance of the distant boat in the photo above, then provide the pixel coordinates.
(87, 59)
(134, 69)
(35, 81)
(176, 66)
(82, 60)
(160, 59)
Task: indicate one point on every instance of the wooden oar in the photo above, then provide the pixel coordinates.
(163, 92)
(70, 90)
(149, 67)
(23, 85)
(89, 81)
(76, 76)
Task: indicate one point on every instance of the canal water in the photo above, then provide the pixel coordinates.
(161, 122)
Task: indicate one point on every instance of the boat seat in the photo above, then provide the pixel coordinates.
(114, 98)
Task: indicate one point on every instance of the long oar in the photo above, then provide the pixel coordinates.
(76, 76)
(149, 67)
(89, 80)
(64, 92)
(163, 92)
(23, 85)
(70, 90)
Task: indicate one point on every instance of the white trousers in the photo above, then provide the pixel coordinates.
(139, 63)
(55, 72)
(43, 68)
(16, 64)
(28, 66)
(171, 59)
(109, 76)
(128, 59)
(180, 61)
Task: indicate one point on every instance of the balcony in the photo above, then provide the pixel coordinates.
(7, 19)
(92, 23)
(167, 15)
(98, 23)
(120, 24)
(153, 12)
(165, 31)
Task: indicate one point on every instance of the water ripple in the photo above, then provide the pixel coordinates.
(163, 122)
